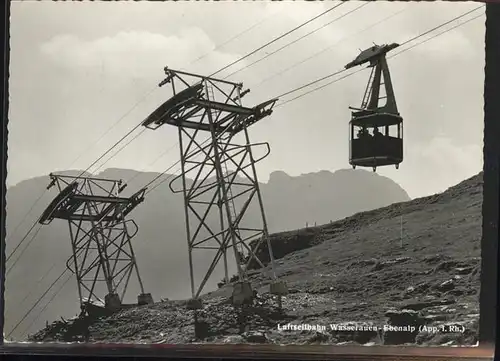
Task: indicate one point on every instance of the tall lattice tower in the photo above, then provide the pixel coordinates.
(218, 177)
(103, 259)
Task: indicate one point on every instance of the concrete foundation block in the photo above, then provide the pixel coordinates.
(145, 299)
(112, 302)
(242, 293)
(194, 304)
(278, 288)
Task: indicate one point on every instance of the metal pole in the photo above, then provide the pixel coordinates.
(186, 213)
(401, 228)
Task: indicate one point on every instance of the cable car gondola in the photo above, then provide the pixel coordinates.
(376, 132)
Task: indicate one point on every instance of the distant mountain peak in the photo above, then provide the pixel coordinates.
(278, 176)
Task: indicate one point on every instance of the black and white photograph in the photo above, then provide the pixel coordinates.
(287, 173)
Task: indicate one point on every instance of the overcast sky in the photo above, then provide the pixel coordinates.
(78, 67)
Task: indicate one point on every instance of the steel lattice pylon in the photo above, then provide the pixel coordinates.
(218, 176)
(103, 259)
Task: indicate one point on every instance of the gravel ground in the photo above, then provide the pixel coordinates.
(355, 274)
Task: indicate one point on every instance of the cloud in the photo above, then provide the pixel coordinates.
(449, 153)
(448, 160)
(133, 53)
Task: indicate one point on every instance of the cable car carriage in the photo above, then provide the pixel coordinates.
(376, 132)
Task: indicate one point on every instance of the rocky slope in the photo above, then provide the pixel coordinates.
(160, 245)
(355, 272)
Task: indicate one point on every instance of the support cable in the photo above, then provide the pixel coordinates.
(390, 57)
(296, 40)
(330, 47)
(276, 39)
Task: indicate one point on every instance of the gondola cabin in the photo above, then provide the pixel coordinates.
(376, 131)
(376, 140)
